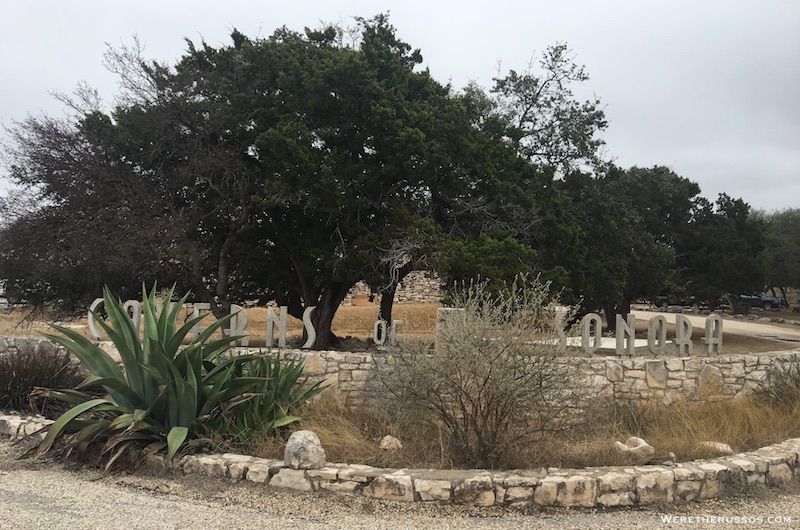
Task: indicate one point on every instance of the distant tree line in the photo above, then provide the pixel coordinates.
(294, 166)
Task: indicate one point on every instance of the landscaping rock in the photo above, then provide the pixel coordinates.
(304, 451)
(717, 447)
(390, 443)
(635, 447)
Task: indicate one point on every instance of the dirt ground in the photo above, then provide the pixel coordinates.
(355, 325)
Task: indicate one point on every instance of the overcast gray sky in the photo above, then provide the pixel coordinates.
(709, 88)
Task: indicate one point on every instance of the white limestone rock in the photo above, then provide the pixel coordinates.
(390, 443)
(304, 451)
(717, 447)
(635, 447)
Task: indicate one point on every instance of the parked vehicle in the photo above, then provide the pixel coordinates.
(760, 301)
(664, 301)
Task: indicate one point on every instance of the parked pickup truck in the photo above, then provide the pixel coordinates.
(761, 301)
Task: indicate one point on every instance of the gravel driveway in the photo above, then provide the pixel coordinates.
(48, 495)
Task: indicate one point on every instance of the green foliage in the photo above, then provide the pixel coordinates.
(271, 403)
(631, 223)
(28, 367)
(497, 257)
(547, 124)
(165, 395)
(724, 250)
(782, 241)
(288, 168)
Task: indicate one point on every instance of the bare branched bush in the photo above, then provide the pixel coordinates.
(492, 374)
(29, 367)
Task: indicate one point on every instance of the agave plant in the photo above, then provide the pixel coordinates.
(163, 393)
(273, 401)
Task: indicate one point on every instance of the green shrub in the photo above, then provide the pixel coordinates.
(273, 401)
(28, 367)
(166, 395)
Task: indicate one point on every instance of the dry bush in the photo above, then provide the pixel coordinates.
(29, 367)
(783, 388)
(491, 377)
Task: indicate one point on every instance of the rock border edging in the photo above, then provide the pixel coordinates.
(606, 487)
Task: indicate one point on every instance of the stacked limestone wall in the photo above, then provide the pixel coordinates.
(419, 287)
(353, 375)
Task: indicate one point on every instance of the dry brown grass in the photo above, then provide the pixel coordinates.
(681, 428)
(354, 436)
(744, 424)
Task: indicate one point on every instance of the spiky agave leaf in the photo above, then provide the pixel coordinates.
(58, 426)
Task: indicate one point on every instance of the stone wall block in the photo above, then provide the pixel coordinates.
(210, 465)
(711, 489)
(433, 490)
(655, 487)
(614, 371)
(392, 487)
(360, 473)
(614, 481)
(295, 479)
(476, 491)
(656, 374)
(710, 381)
(688, 490)
(576, 490)
(329, 473)
(779, 474)
(10, 425)
(675, 364)
(348, 487)
(258, 472)
(621, 498)
(694, 364)
(518, 494)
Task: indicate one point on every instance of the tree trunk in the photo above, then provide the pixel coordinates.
(612, 310)
(221, 304)
(322, 318)
(387, 303)
(387, 296)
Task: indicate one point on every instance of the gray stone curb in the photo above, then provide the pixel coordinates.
(591, 487)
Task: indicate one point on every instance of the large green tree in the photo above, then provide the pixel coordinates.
(282, 168)
(632, 222)
(724, 252)
(547, 124)
(782, 246)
